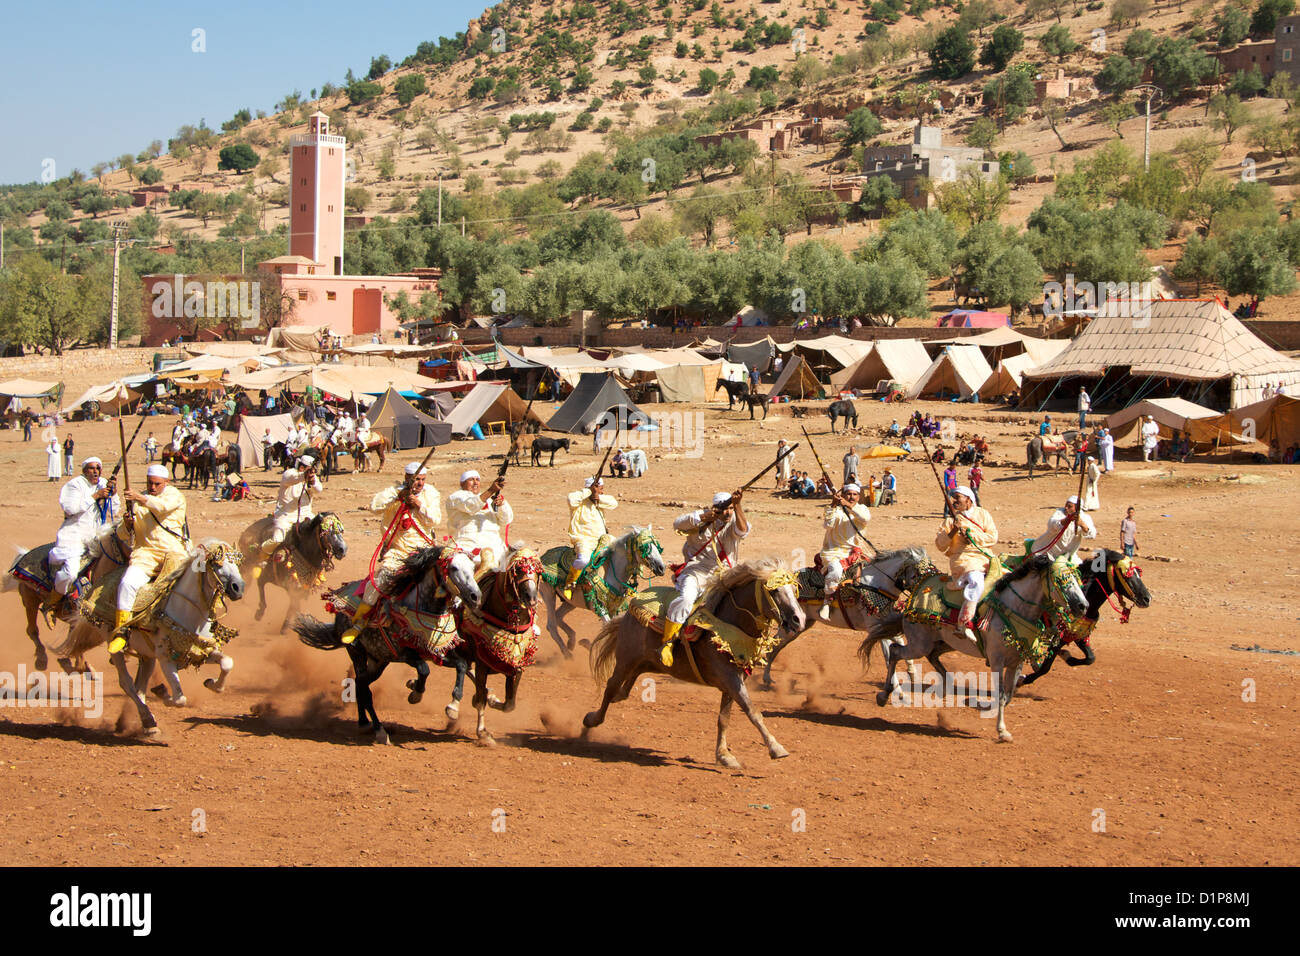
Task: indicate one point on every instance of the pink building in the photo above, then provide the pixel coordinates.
(317, 174)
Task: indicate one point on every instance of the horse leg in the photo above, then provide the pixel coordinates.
(512, 688)
(33, 629)
(786, 638)
(127, 684)
(261, 592)
(480, 677)
(416, 686)
(295, 605)
(138, 686)
(556, 609)
(218, 684)
(734, 682)
(452, 710)
(918, 643)
(1008, 688)
(617, 688)
(723, 754)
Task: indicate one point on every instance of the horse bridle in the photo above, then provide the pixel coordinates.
(640, 553)
(763, 588)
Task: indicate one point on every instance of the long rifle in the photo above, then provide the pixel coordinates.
(523, 425)
(126, 471)
(1083, 470)
(126, 447)
(830, 484)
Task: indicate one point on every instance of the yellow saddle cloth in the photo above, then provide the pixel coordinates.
(100, 605)
(648, 608)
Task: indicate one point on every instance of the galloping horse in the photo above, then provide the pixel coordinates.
(176, 624)
(108, 551)
(739, 608)
(635, 555)
(843, 409)
(306, 556)
(1010, 621)
(417, 615)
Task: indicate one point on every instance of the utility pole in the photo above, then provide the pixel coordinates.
(119, 229)
(440, 199)
(1148, 92)
(2, 245)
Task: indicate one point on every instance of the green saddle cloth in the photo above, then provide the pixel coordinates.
(936, 601)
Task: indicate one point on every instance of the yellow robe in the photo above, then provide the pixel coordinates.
(840, 537)
(152, 543)
(962, 554)
(586, 523)
(425, 514)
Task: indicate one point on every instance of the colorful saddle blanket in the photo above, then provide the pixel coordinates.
(648, 607)
(935, 601)
(599, 596)
(432, 635)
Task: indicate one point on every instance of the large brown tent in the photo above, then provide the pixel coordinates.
(1273, 418)
(252, 428)
(489, 402)
(901, 361)
(797, 379)
(959, 370)
(404, 425)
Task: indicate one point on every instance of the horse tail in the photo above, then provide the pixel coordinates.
(318, 634)
(865, 648)
(7, 581)
(604, 650)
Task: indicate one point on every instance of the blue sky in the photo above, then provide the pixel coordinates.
(82, 82)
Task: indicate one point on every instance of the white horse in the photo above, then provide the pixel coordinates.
(211, 575)
(1018, 602)
(636, 555)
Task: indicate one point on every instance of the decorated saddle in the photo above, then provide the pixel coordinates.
(648, 608)
(34, 568)
(851, 593)
(433, 635)
(605, 601)
(936, 600)
(505, 647)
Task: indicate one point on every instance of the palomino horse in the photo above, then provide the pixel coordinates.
(108, 551)
(753, 598)
(636, 555)
(309, 551)
(867, 593)
(498, 638)
(182, 630)
(1009, 620)
(378, 444)
(421, 591)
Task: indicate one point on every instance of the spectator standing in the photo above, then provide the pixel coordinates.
(1128, 529)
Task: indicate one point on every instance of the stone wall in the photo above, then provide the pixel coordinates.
(655, 337)
(95, 365)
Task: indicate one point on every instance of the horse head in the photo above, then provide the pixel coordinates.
(219, 563)
(329, 532)
(782, 588)
(456, 570)
(644, 548)
(1065, 585)
(522, 575)
(1119, 575)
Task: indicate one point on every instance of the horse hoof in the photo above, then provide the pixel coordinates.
(66, 664)
(592, 719)
(1004, 736)
(42, 661)
(153, 731)
(777, 752)
(180, 701)
(257, 615)
(381, 736)
(485, 739)
(212, 685)
(160, 692)
(452, 711)
(882, 698)
(729, 761)
(414, 697)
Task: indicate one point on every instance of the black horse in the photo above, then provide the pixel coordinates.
(1106, 573)
(736, 391)
(754, 400)
(200, 463)
(543, 444)
(843, 409)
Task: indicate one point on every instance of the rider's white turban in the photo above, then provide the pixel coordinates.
(91, 461)
(721, 498)
(852, 487)
(306, 461)
(1072, 500)
(963, 490)
(414, 467)
(156, 471)
(467, 475)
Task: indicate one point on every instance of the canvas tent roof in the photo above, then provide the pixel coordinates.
(251, 430)
(843, 350)
(595, 394)
(1007, 377)
(690, 383)
(489, 402)
(797, 378)
(1185, 339)
(753, 354)
(27, 388)
(404, 425)
(960, 369)
(1173, 414)
(111, 397)
(1277, 417)
(1005, 342)
(899, 360)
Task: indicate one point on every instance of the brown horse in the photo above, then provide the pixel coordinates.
(310, 549)
(110, 551)
(753, 597)
(378, 444)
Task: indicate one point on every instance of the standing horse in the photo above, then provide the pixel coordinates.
(868, 591)
(752, 599)
(635, 555)
(754, 400)
(305, 558)
(378, 444)
(843, 409)
(1037, 452)
(1010, 621)
(180, 629)
(108, 551)
(421, 591)
(736, 391)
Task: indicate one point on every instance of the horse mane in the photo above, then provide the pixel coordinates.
(738, 576)
(414, 569)
(1035, 565)
(915, 553)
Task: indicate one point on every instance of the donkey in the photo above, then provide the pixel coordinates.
(752, 598)
(543, 444)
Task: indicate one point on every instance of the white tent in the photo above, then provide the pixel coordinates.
(1175, 414)
(902, 361)
(251, 430)
(959, 369)
(1007, 377)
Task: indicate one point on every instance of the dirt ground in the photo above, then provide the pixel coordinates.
(1152, 756)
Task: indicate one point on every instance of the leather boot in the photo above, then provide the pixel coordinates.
(567, 591)
(120, 633)
(358, 623)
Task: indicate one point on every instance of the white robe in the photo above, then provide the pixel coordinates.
(55, 467)
(477, 524)
(1107, 445)
(1091, 500)
(1062, 537)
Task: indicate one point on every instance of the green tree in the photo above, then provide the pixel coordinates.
(151, 175)
(1009, 95)
(983, 133)
(1255, 263)
(703, 210)
(379, 65)
(1140, 44)
(95, 203)
(708, 80)
(1116, 112)
(408, 87)
(1177, 66)
(1263, 22)
(877, 193)
(1005, 43)
(862, 126)
(481, 87)
(1201, 261)
(1118, 75)
(241, 158)
(1229, 114)
(357, 198)
(925, 237)
(973, 199)
(1057, 42)
(41, 306)
(952, 55)
(1123, 12)
(1233, 26)
(647, 74)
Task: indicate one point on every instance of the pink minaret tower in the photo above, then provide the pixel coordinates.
(316, 195)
